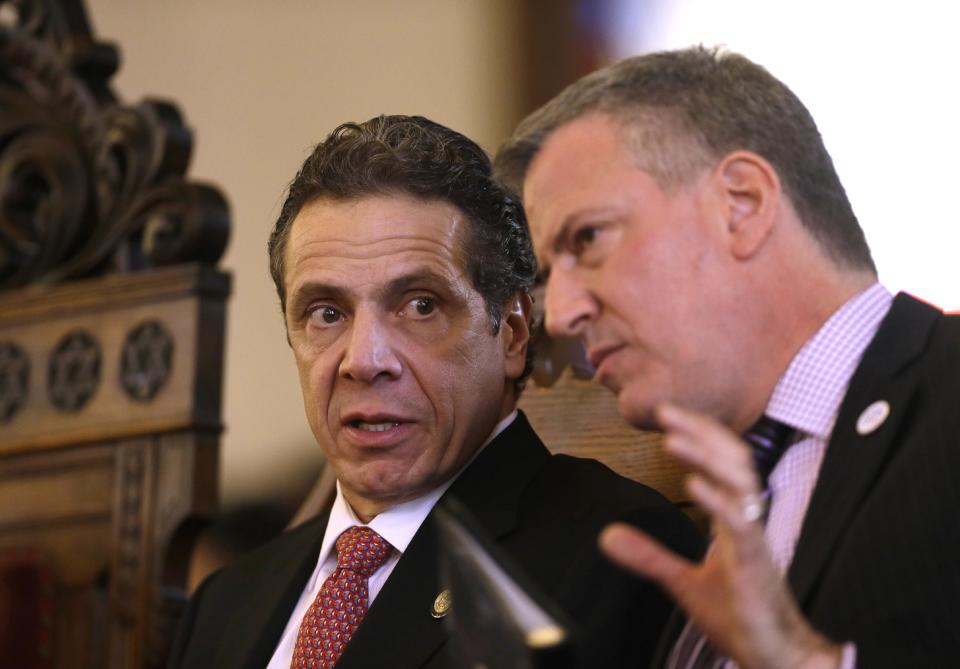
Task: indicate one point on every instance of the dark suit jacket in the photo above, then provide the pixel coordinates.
(878, 558)
(544, 510)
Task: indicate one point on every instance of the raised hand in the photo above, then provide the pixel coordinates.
(736, 596)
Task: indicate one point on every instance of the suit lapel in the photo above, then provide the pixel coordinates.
(853, 461)
(399, 630)
(255, 631)
(492, 486)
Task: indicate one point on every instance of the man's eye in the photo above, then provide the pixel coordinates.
(422, 306)
(328, 315)
(582, 238)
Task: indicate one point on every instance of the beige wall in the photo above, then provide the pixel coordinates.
(260, 83)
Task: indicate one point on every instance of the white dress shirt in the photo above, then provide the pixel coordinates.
(397, 525)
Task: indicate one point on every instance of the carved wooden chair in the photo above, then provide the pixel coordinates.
(111, 340)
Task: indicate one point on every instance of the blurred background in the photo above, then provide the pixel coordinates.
(260, 83)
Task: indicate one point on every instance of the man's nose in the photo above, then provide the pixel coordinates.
(369, 354)
(568, 306)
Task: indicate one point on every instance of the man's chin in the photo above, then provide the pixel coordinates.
(372, 498)
(638, 412)
(389, 487)
(383, 489)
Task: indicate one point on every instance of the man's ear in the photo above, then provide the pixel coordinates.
(750, 192)
(515, 333)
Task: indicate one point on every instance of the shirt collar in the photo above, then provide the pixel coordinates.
(808, 395)
(399, 523)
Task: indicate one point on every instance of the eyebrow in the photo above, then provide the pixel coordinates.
(603, 213)
(560, 239)
(424, 277)
(313, 289)
(556, 245)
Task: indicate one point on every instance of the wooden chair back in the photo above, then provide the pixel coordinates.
(575, 415)
(111, 352)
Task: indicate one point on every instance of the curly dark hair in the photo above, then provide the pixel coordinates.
(683, 110)
(412, 155)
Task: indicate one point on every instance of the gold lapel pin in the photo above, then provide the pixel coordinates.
(441, 605)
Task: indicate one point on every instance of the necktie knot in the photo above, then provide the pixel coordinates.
(768, 439)
(362, 551)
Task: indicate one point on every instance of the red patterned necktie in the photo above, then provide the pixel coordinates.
(342, 601)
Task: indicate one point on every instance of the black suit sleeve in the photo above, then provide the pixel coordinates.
(181, 639)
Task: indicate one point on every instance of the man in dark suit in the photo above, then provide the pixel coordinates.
(695, 235)
(403, 268)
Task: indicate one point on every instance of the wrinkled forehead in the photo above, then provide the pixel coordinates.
(368, 218)
(377, 235)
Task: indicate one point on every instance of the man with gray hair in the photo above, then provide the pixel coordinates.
(693, 232)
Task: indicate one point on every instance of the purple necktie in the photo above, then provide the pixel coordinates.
(769, 440)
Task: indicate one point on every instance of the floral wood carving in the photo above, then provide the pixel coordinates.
(146, 360)
(73, 374)
(89, 185)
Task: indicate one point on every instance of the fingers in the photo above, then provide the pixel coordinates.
(637, 552)
(718, 502)
(710, 448)
(727, 512)
(724, 482)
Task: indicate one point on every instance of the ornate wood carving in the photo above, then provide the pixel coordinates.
(111, 341)
(156, 457)
(73, 372)
(14, 380)
(87, 184)
(146, 359)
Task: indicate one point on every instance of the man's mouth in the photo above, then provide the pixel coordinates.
(598, 354)
(373, 427)
(376, 429)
